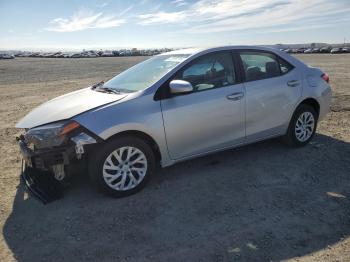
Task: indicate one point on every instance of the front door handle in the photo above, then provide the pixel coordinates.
(293, 83)
(235, 96)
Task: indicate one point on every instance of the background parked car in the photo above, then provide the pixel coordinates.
(336, 50)
(35, 54)
(77, 55)
(115, 53)
(326, 49)
(346, 49)
(107, 54)
(6, 56)
(301, 50)
(89, 54)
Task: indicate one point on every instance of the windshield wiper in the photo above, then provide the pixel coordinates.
(100, 88)
(107, 90)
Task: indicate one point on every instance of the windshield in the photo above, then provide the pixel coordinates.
(145, 74)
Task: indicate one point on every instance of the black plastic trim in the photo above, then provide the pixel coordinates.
(41, 184)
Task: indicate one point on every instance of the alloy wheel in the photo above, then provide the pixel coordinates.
(125, 168)
(304, 126)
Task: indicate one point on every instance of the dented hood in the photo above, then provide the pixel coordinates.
(67, 106)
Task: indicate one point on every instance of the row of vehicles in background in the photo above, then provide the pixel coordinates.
(326, 49)
(89, 54)
(150, 52)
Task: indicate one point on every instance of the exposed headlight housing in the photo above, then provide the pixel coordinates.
(50, 135)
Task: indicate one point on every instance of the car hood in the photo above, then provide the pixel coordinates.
(67, 106)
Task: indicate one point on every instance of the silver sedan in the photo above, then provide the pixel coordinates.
(172, 107)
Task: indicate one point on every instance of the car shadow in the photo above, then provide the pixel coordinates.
(256, 203)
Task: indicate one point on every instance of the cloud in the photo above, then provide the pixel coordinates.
(161, 17)
(284, 15)
(126, 10)
(83, 20)
(179, 2)
(143, 2)
(104, 4)
(210, 16)
(156, 7)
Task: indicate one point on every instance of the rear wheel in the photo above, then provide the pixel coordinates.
(122, 166)
(302, 127)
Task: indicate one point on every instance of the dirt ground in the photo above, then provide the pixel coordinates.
(263, 202)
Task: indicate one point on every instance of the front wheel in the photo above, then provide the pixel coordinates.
(302, 126)
(122, 166)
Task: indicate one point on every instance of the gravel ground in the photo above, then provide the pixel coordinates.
(263, 202)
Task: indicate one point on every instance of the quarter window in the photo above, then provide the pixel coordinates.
(285, 66)
(209, 71)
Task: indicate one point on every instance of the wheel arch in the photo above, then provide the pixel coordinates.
(306, 101)
(311, 102)
(142, 135)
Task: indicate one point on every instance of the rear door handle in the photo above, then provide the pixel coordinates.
(293, 83)
(235, 96)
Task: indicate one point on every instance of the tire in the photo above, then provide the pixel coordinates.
(123, 177)
(301, 132)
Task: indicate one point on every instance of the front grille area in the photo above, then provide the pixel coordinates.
(44, 161)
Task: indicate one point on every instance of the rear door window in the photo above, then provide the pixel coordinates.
(259, 65)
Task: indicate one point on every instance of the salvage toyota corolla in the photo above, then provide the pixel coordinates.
(170, 108)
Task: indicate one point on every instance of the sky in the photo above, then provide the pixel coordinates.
(106, 24)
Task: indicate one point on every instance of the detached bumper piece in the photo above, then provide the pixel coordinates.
(41, 184)
(38, 179)
(44, 170)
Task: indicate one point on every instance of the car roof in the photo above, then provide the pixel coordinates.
(196, 52)
(193, 51)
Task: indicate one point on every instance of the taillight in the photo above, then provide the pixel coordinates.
(325, 77)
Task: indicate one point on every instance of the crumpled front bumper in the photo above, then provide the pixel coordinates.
(43, 168)
(36, 174)
(41, 184)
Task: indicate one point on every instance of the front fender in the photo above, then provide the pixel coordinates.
(140, 113)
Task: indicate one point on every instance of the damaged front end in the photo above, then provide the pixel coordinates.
(51, 153)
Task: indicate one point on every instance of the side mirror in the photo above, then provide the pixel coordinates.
(180, 87)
